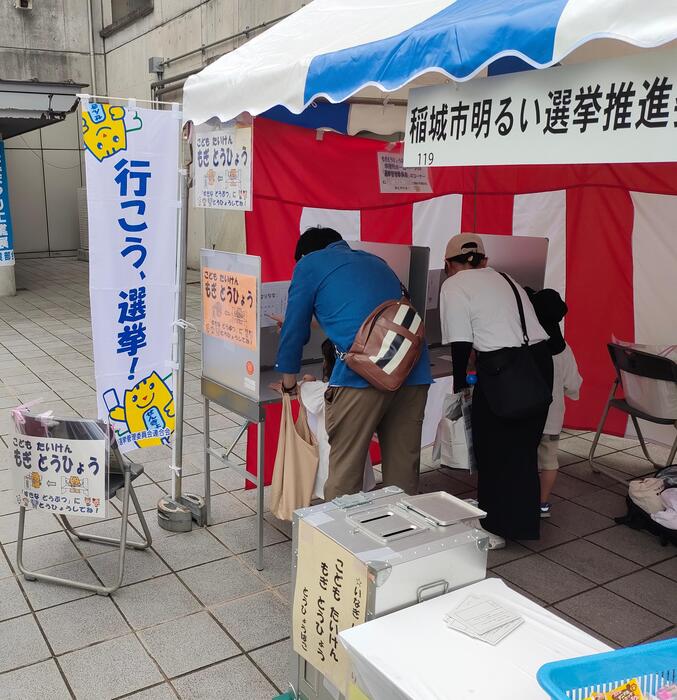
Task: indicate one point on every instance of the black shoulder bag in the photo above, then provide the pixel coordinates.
(510, 379)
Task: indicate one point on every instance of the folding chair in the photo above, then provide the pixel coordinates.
(645, 365)
(122, 472)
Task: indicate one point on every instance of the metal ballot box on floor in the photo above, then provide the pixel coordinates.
(383, 551)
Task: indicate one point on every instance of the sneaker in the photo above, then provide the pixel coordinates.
(545, 510)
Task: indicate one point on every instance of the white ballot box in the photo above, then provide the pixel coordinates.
(415, 654)
(364, 556)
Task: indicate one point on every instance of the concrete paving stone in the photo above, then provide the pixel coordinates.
(607, 503)
(543, 578)
(81, 623)
(650, 590)
(36, 523)
(186, 549)
(45, 551)
(188, 643)
(551, 536)
(109, 669)
(5, 569)
(226, 506)
(153, 602)
(438, 481)
(195, 484)
(217, 421)
(613, 441)
(286, 591)
(636, 545)
(42, 594)
(236, 678)
(157, 692)
(580, 447)
(149, 454)
(6, 482)
(627, 463)
(148, 496)
(12, 601)
(273, 660)
(22, 683)
(668, 634)
(221, 581)
(613, 617)
(284, 526)
(276, 562)
(104, 528)
(140, 565)
(8, 503)
(255, 620)
(21, 643)
(228, 478)
(583, 628)
(667, 568)
(577, 519)
(587, 559)
(569, 487)
(512, 551)
(249, 498)
(156, 531)
(241, 535)
(517, 589)
(659, 453)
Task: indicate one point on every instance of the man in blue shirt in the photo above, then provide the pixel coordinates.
(340, 287)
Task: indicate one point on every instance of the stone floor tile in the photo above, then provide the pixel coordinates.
(21, 643)
(255, 620)
(613, 617)
(587, 559)
(12, 601)
(45, 676)
(188, 549)
(226, 506)
(636, 545)
(45, 551)
(543, 578)
(195, 484)
(437, 480)
(512, 551)
(157, 692)
(241, 535)
(5, 569)
(668, 634)
(37, 523)
(276, 562)
(551, 536)
(140, 565)
(607, 503)
(44, 595)
(627, 463)
(659, 453)
(188, 643)
(286, 591)
(667, 568)
(155, 601)
(156, 531)
(568, 486)
(81, 623)
(236, 678)
(148, 496)
(104, 528)
(284, 526)
(580, 447)
(577, 519)
(109, 669)
(584, 628)
(650, 590)
(228, 478)
(273, 660)
(249, 499)
(221, 581)
(8, 504)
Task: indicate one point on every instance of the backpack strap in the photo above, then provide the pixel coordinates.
(520, 307)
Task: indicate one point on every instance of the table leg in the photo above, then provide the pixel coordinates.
(207, 474)
(260, 491)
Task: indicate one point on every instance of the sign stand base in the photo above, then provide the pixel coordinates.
(178, 515)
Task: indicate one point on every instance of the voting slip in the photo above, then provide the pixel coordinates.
(483, 618)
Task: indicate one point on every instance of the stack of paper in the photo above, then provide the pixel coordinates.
(483, 618)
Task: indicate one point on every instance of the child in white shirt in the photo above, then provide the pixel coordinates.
(550, 310)
(311, 393)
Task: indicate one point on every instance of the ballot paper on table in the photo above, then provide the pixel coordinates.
(483, 618)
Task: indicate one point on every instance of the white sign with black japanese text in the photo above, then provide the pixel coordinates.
(223, 167)
(394, 178)
(616, 111)
(58, 476)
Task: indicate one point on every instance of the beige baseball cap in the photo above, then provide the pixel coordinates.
(463, 244)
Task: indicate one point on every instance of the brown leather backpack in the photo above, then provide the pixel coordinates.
(388, 344)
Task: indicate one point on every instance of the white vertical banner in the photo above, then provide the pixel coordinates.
(132, 163)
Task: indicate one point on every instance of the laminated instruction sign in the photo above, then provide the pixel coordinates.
(394, 178)
(59, 476)
(330, 596)
(223, 167)
(619, 110)
(229, 306)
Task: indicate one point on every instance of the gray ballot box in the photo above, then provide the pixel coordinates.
(413, 547)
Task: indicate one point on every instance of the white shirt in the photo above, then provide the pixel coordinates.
(479, 307)
(312, 396)
(566, 382)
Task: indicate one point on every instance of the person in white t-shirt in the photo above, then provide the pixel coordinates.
(311, 393)
(479, 311)
(550, 310)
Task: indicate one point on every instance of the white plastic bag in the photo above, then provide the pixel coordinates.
(453, 442)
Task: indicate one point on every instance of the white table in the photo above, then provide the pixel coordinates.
(413, 655)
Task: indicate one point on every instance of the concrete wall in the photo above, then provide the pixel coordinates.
(48, 43)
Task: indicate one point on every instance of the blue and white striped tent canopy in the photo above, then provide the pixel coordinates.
(342, 49)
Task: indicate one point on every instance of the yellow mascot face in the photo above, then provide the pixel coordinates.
(149, 404)
(103, 130)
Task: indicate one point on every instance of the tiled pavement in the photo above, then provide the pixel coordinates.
(194, 618)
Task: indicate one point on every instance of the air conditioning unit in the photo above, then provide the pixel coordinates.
(23, 4)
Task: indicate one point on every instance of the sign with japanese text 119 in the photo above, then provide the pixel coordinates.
(59, 476)
(223, 166)
(613, 111)
(132, 161)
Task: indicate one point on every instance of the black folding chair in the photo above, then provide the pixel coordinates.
(122, 472)
(641, 364)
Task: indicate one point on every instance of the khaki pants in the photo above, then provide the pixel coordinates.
(353, 415)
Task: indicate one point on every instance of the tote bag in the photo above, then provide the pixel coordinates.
(295, 464)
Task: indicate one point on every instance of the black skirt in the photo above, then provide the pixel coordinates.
(506, 451)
